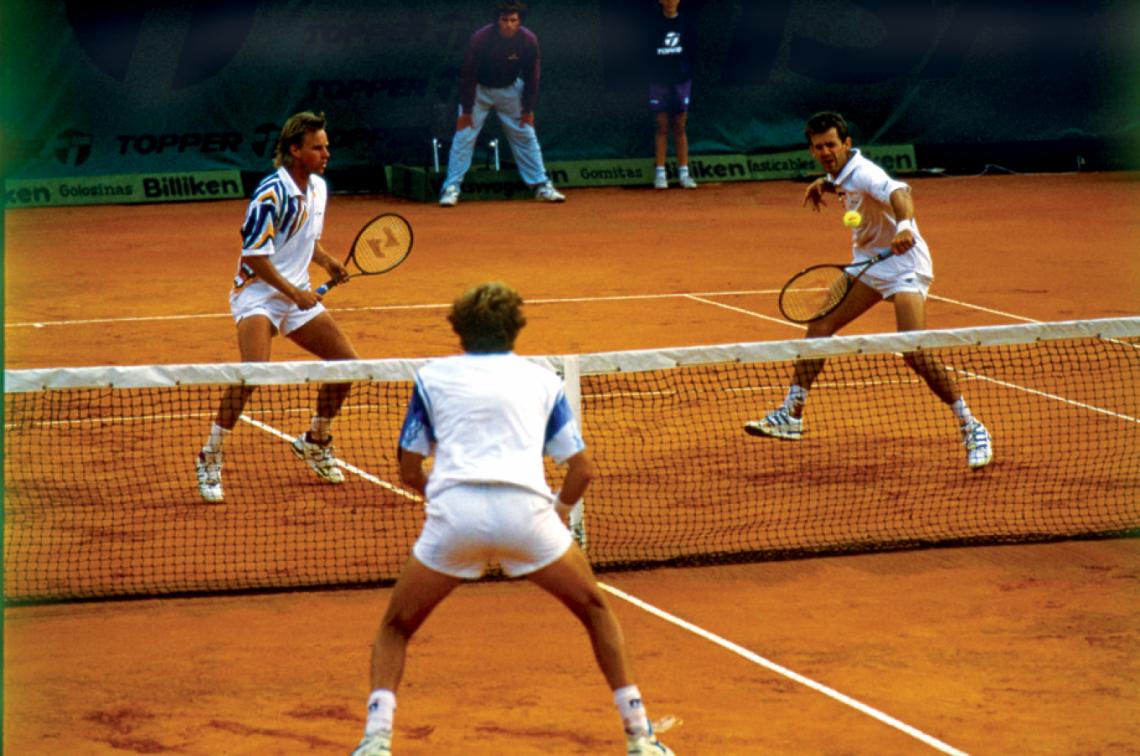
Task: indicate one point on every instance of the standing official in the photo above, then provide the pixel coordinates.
(670, 89)
(500, 72)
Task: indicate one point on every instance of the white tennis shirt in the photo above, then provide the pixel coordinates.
(864, 186)
(489, 418)
(284, 224)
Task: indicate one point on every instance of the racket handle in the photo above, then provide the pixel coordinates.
(324, 288)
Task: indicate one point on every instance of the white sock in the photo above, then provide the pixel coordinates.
(683, 171)
(631, 710)
(320, 429)
(796, 398)
(962, 412)
(381, 711)
(217, 438)
(660, 170)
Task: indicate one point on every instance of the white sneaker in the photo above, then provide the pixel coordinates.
(319, 457)
(379, 744)
(450, 196)
(547, 193)
(778, 424)
(646, 745)
(209, 468)
(979, 445)
(660, 182)
(687, 182)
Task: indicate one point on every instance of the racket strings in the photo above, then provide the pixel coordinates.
(813, 293)
(382, 244)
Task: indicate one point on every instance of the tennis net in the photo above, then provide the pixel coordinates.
(102, 498)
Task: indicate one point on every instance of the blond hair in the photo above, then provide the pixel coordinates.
(293, 133)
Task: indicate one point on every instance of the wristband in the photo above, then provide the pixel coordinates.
(904, 225)
(560, 506)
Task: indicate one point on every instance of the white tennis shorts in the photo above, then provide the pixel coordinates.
(469, 527)
(259, 298)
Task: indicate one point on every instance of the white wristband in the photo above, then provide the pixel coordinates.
(904, 225)
(561, 507)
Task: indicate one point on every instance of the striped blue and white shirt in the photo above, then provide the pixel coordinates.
(284, 224)
(489, 418)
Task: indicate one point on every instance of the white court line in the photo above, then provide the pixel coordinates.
(389, 308)
(351, 468)
(751, 313)
(929, 740)
(979, 308)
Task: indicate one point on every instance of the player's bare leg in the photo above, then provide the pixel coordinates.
(860, 299)
(571, 580)
(660, 148)
(418, 591)
(255, 340)
(910, 315)
(785, 422)
(324, 338)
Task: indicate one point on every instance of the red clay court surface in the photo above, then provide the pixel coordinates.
(995, 649)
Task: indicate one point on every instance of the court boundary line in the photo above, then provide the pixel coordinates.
(696, 296)
(792, 675)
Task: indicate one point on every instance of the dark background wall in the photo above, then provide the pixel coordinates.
(123, 86)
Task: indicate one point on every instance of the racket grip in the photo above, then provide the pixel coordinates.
(324, 288)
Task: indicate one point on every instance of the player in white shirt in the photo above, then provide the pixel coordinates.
(272, 294)
(488, 417)
(888, 223)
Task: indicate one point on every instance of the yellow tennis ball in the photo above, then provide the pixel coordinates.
(852, 219)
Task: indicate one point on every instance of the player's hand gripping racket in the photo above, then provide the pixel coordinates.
(816, 291)
(383, 243)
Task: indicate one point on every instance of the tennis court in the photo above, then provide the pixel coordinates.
(1016, 648)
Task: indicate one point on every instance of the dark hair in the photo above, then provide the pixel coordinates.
(487, 318)
(820, 123)
(507, 7)
(293, 133)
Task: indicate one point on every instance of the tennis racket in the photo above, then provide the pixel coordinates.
(814, 292)
(383, 243)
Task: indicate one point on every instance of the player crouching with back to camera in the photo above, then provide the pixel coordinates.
(885, 213)
(488, 417)
(500, 72)
(280, 237)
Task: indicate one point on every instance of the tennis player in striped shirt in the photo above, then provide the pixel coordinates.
(272, 294)
(488, 417)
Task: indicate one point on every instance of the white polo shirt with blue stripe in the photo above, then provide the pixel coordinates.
(489, 418)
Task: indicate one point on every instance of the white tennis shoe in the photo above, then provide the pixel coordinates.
(778, 424)
(379, 744)
(688, 182)
(209, 468)
(319, 457)
(979, 445)
(450, 196)
(547, 193)
(660, 181)
(646, 745)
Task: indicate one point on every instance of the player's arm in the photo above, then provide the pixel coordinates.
(264, 269)
(417, 439)
(412, 472)
(467, 83)
(815, 191)
(532, 71)
(902, 204)
(580, 470)
(333, 266)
